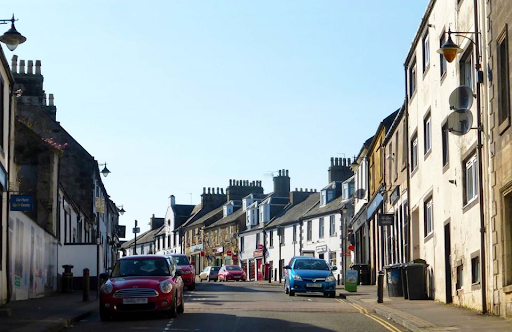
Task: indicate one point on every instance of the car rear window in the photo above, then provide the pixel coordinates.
(181, 260)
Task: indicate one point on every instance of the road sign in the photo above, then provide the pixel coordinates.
(228, 252)
(136, 230)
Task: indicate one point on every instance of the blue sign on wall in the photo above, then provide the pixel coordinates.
(22, 203)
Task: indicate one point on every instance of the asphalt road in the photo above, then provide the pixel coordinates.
(245, 306)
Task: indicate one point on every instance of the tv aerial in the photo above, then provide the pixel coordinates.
(461, 119)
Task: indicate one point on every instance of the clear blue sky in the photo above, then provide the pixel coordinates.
(180, 95)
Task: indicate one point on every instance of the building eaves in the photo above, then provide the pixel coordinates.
(229, 219)
(207, 217)
(419, 32)
(293, 213)
(334, 206)
(394, 125)
(384, 125)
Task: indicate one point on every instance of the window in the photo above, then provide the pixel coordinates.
(475, 270)
(426, 52)
(412, 78)
(281, 239)
(460, 277)
(395, 159)
(257, 240)
(271, 238)
(442, 60)
(503, 80)
(414, 152)
(218, 235)
(310, 231)
(2, 112)
(294, 233)
(332, 258)
(444, 134)
(428, 217)
(242, 244)
(332, 226)
(470, 180)
(389, 158)
(466, 68)
(427, 132)
(321, 228)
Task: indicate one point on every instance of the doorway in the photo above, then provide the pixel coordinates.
(447, 263)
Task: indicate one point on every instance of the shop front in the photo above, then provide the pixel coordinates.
(218, 253)
(196, 256)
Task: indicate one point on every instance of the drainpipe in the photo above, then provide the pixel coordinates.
(407, 166)
(480, 161)
(7, 242)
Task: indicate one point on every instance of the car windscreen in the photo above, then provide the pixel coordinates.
(215, 268)
(233, 268)
(181, 260)
(310, 264)
(141, 267)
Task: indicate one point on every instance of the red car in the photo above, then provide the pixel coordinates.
(188, 273)
(231, 272)
(142, 284)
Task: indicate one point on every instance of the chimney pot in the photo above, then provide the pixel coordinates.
(51, 100)
(222, 191)
(332, 161)
(204, 190)
(279, 172)
(230, 182)
(22, 66)
(44, 99)
(209, 190)
(287, 173)
(30, 67)
(348, 162)
(38, 67)
(14, 64)
(218, 190)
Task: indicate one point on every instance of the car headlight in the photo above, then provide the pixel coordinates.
(165, 286)
(330, 278)
(297, 277)
(107, 288)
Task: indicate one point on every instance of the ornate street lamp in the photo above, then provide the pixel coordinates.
(12, 38)
(105, 170)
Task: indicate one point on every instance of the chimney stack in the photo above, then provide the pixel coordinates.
(14, 64)
(339, 170)
(172, 200)
(30, 67)
(38, 67)
(51, 100)
(22, 66)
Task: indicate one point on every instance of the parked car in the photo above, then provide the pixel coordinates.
(142, 284)
(210, 273)
(188, 273)
(232, 272)
(309, 274)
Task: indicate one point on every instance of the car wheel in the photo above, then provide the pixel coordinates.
(105, 316)
(332, 295)
(173, 310)
(181, 307)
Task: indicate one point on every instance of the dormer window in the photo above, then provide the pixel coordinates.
(327, 196)
(348, 189)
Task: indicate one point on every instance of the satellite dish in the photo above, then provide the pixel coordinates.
(460, 122)
(461, 98)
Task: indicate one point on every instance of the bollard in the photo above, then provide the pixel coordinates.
(86, 285)
(339, 279)
(380, 287)
(275, 274)
(269, 276)
(67, 279)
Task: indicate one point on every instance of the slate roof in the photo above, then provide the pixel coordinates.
(231, 218)
(206, 217)
(161, 232)
(182, 213)
(293, 213)
(146, 237)
(333, 206)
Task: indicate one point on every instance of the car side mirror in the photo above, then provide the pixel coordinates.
(334, 268)
(288, 267)
(103, 277)
(178, 273)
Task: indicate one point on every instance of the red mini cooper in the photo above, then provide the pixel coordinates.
(188, 273)
(142, 284)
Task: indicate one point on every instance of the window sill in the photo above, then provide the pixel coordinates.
(411, 97)
(470, 205)
(446, 167)
(414, 171)
(504, 126)
(443, 76)
(476, 286)
(428, 237)
(429, 152)
(425, 72)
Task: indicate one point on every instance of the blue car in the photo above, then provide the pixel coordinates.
(309, 274)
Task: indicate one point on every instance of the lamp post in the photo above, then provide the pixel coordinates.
(11, 38)
(121, 209)
(105, 170)
(135, 231)
(344, 211)
(449, 50)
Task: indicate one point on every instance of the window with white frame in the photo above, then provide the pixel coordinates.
(321, 228)
(470, 180)
(466, 68)
(445, 141)
(310, 230)
(412, 78)
(426, 52)
(294, 233)
(242, 244)
(427, 133)
(442, 60)
(428, 216)
(414, 152)
(332, 226)
(257, 240)
(271, 238)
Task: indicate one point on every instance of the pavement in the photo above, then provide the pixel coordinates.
(419, 315)
(59, 311)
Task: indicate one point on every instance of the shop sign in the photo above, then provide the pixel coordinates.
(258, 253)
(321, 249)
(228, 252)
(219, 250)
(395, 194)
(197, 247)
(359, 220)
(21, 202)
(373, 206)
(351, 281)
(386, 219)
